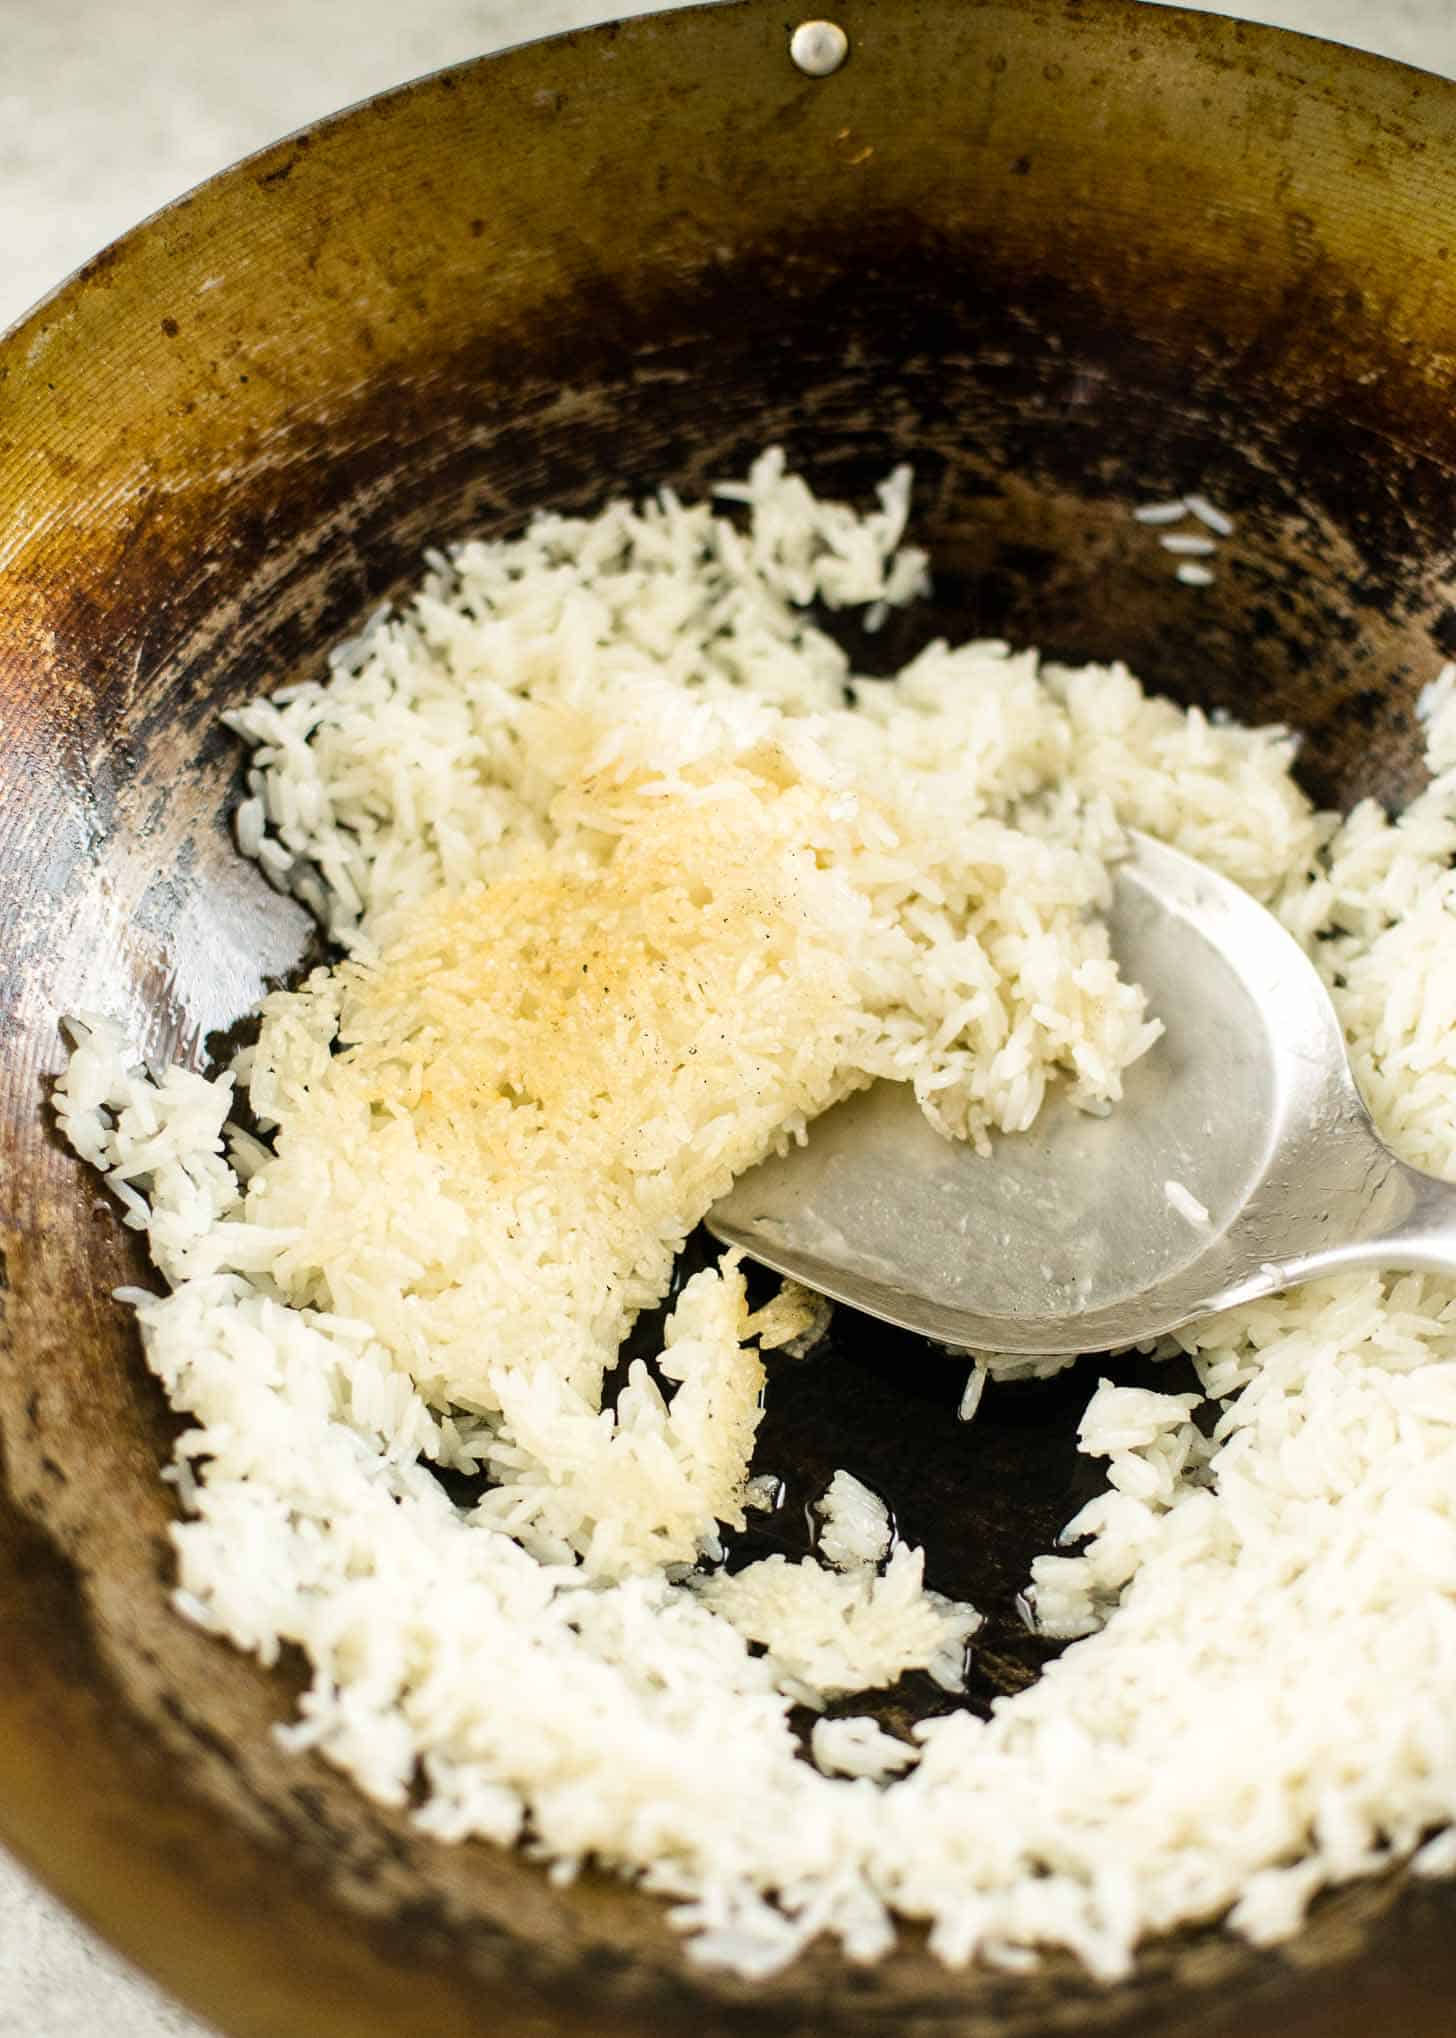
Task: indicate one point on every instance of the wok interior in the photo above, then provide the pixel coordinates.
(1061, 262)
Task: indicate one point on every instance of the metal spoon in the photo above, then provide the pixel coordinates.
(1085, 1234)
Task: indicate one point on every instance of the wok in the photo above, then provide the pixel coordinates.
(1063, 257)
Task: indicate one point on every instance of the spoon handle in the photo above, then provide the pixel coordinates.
(1419, 1233)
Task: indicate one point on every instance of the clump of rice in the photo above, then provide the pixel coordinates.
(829, 1633)
(854, 1524)
(634, 877)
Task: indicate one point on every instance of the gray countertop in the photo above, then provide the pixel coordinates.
(107, 109)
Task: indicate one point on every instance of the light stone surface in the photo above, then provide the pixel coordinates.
(108, 108)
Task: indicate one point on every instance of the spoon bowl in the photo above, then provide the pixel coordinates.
(1240, 1160)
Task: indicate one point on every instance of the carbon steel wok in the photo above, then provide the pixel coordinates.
(1062, 256)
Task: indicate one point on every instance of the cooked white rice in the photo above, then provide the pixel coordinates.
(854, 1524)
(1181, 1198)
(975, 1389)
(1208, 513)
(635, 878)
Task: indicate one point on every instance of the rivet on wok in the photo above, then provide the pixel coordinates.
(818, 47)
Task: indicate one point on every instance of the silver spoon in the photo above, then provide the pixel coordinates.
(1240, 1161)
